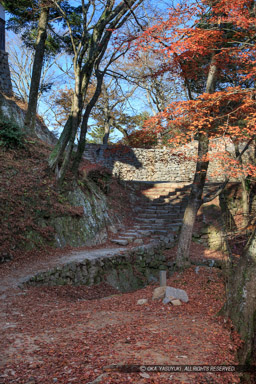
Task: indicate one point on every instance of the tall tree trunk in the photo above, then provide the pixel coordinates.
(60, 147)
(75, 122)
(241, 299)
(106, 133)
(227, 216)
(194, 203)
(107, 116)
(30, 117)
(245, 193)
(84, 125)
(245, 201)
(195, 199)
(65, 144)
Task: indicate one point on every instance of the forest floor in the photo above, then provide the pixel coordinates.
(73, 334)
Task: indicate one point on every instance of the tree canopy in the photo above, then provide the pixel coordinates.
(210, 46)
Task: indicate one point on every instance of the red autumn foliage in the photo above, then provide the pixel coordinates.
(192, 39)
(142, 138)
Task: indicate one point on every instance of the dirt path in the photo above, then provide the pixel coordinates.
(15, 273)
(69, 334)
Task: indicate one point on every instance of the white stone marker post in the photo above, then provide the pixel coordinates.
(162, 278)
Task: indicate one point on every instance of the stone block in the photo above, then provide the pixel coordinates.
(176, 302)
(142, 301)
(159, 293)
(120, 241)
(176, 293)
(138, 242)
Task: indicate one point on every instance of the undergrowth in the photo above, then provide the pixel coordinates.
(11, 136)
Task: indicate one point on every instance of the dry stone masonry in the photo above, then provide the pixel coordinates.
(5, 76)
(158, 164)
(126, 270)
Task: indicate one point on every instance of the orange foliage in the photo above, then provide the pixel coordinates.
(192, 35)
(142, 138)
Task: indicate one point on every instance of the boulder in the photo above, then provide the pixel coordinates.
(176, 293)
(167, 300)
(169, 294)
(159, 293)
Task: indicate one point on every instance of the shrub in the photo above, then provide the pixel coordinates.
(11, 135)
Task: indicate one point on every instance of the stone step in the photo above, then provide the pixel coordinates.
(157, 225)
(138, 236)
(130, 232)
(165, 224)
(164, 218)
(165, 193)
(119, 241)
(168, 186)
(160, 225)
(126, 237)
(165, 184)
(165, 199)
(160, 196)
(160, 215)
(169, 189)
(150, 219)
(171, 211)
(157, 205)
(174, 213)
(157, 191)
(153, 209)
(160, 232)
(144, 232)
(166, 229)
(176, 200)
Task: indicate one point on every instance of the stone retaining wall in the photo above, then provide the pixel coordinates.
(157, 164)
(132, 269)
(5, 76)
(10, 111)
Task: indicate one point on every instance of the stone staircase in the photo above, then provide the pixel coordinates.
(158, 212)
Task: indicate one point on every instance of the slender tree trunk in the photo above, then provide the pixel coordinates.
(245, 201)
(30, 117)
(195, 199)
(126, 136)
(245, 193)
(194, 203)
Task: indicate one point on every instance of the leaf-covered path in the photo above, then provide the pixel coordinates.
(69, 334)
